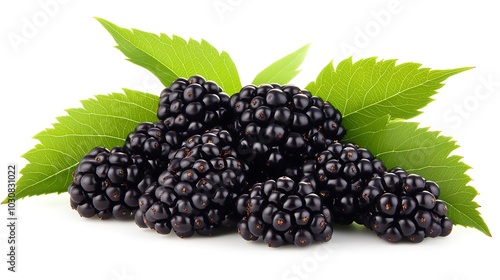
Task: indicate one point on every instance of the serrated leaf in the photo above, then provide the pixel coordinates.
(171, 57)
(427, 153)
(374, 97)
(283, 70)
(105, 120)
(367, 89)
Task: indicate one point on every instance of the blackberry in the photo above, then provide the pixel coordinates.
(108, 183)
(342, 172)
(155, 142)
(192, 106)
(277, 127)
(283, 212)
(402, 206)
(197, 191)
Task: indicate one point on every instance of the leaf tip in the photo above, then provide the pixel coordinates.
(463, 69)
(108, 25)
(306, 46)
(101, 20)
(485, 230)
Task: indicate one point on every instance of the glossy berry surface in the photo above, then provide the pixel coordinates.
(192, 106)
(278, 127)
(155, 142)
(108, 183)
(282, 213)
(401, 206)
(196, 193)
(342, 172)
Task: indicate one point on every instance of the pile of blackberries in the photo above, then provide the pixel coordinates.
(268, 161)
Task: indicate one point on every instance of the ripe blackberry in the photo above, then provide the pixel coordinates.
(155, 142)
(402, 206)
(277, 127)
(192, 106)
(108, 183)
(197, 191)
(284, 212)
(342, 172)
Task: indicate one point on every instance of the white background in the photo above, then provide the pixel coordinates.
(68, 56)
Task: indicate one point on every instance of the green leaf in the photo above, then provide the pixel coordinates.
(171, 57)
(427, 153)
(368, 88)
(283, 70)
(375, 97)
(105, 120)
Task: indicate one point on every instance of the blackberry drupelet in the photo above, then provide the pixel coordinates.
(278, 127)
(342, 171)
(402, 206)
(284, 212)
(192, 106)
(108, 183)
(197, 191)
(155, 142)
